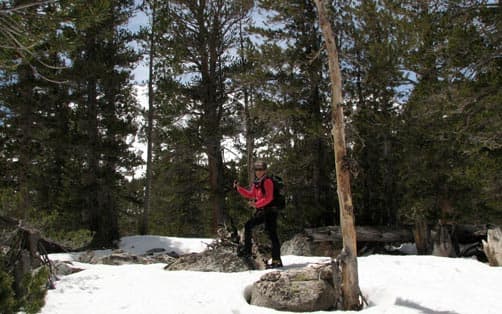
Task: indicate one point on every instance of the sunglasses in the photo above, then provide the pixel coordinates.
(259, 169)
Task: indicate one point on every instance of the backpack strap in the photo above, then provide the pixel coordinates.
(262, 184)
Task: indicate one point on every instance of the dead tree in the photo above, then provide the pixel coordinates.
(493, 247)
(350, 282)
(27, 251)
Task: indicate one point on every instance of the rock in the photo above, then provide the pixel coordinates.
(88, 257)
(155, 250)
(117, 257)
(299, 245)
(216, 259)
(298, 290)
(161, 258)
(302, 245)
(64, 268)
(120, 257)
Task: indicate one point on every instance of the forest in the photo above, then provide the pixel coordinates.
(230, 82)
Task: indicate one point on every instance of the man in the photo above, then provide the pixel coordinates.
(261, 196)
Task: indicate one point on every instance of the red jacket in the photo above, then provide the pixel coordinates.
(256, 192)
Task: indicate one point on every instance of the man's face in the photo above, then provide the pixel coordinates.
(259, 171)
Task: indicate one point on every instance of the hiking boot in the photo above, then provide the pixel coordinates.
(274, 264)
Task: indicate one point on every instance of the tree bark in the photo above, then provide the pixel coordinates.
(363, 234)
(247, 116)
(463, 234)
(217, 195)
(149, 130)
(421, 232)
(30, 233)
(350, 281)
(493, 247)
(249, 138)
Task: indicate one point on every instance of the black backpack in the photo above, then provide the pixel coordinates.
(279, 200)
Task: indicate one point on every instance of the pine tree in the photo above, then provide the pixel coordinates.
(293, 109)
(452, 117)
(105, 110)
(372, 50)
(32, 109)
(198, 40)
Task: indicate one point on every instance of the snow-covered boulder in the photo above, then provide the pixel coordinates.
(297, 290)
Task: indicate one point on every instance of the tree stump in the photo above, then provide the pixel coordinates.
(421, 233)
(493, 247)
(443, 244)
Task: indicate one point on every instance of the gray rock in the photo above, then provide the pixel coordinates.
(88, 257)
(297, 290)
(302, 245)
(119, 257)
(64, 268)
(155, 250)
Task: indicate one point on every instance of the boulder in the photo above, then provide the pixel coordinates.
(297, 290)
(217, 259)
(303, 245)
(120, 257)
(61, 268)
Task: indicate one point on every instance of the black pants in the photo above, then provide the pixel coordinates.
(269, 217)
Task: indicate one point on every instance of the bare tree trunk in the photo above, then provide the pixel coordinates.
(493, 247)
(217, 195)
(249, 138)
(350, 281)
(422, 236)
(92, 205)
(148, 175)
(247, 116)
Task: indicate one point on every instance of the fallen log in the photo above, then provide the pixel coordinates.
(383, 234)
(32, 235)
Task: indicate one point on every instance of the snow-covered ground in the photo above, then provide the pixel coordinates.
(391, 285)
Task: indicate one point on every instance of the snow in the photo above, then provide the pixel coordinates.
(390, 284)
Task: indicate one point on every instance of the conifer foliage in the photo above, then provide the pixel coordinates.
(240, 80)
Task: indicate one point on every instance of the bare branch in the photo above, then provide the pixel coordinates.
(26, 6)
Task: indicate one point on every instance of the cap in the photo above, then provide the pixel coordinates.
(260, 164)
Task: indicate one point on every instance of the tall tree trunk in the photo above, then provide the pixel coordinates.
(248, 122)
(91, 183)
(26, 121)
(148, 176)
(217, 196)
(350, 282)
(316, 144)
(249, 138)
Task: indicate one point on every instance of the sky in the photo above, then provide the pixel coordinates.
(390, 284)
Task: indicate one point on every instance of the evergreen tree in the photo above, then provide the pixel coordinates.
(33, 114)
(197, 44)
(104, 110)
(452, 117)
(372, 50)
(293, 109)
